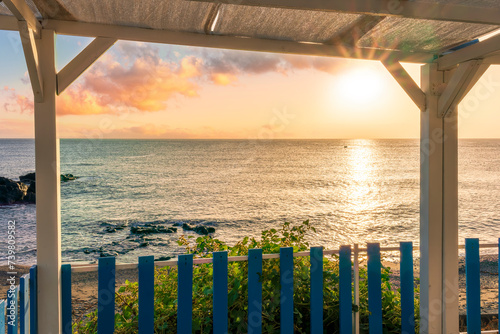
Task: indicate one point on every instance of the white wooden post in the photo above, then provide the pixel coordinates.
(48, 220)
(438, 210)
(450, 219)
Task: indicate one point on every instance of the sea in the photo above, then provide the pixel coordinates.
(351, 191)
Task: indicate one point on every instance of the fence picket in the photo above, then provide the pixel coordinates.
(106, 295)
(407, 294)
(66, 298)
(33, 300)
(473, 287)
(345, 290)
(185, 294)
(12, 315)
(24, 304)
(316, 290)
(146, 294)
(255, 291)
(220, 292)
(374, 289)
(2, 317)
(286, 296)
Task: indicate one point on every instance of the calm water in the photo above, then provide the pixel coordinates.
(365, 192)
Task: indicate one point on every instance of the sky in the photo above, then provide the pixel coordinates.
(154, 91)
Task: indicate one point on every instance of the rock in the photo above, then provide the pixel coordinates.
(164, 258)
(143, 244)
(114, 228)
(177, 224)
(200, 229)
(32, 187)
(187, 227)
(11, 191)
(67, 177)
(28, 178)
(150, 229)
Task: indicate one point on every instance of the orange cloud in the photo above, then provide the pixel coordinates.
(135, 78)
(16, 102)
(146, 86)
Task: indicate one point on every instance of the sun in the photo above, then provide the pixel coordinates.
(361, 86)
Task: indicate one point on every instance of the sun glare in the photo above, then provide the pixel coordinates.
(360, 86)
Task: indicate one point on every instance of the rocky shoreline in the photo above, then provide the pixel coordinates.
(142, 235)
(24, 190)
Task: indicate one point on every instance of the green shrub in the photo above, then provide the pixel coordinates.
(126, 318)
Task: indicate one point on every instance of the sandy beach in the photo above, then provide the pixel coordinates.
(84, 287)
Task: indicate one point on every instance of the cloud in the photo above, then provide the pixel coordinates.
(14, 102)
(134, 77)
(145, 85)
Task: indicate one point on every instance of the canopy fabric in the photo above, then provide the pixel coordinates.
(359, 30)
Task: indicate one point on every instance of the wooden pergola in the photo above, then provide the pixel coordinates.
(456, 42)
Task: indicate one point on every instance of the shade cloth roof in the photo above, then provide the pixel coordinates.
(366, 31)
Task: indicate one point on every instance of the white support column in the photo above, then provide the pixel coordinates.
(450, 220)
(48, 220)
(438, 210)
(431, 200)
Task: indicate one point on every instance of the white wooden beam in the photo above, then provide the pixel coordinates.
(476, 51)
(82, 61)
(409, 9)
(492, 59)
(406, 82)
(8, 23)
(32, 62)
(229, 42)
(458, 85)
(22, 12)
(475, 78)
(48, 199)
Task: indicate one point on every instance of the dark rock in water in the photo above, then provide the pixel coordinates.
(164, 258)
(114, 228)
(67, 177)
(187, 227)
(28, 178)
(204, 230)
(23, 191)
(177, 224)
(11, 191)
(200, 229)
(150, 229)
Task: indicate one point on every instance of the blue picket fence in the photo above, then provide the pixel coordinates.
(23, 317)
(106, 291)
(20, 307)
